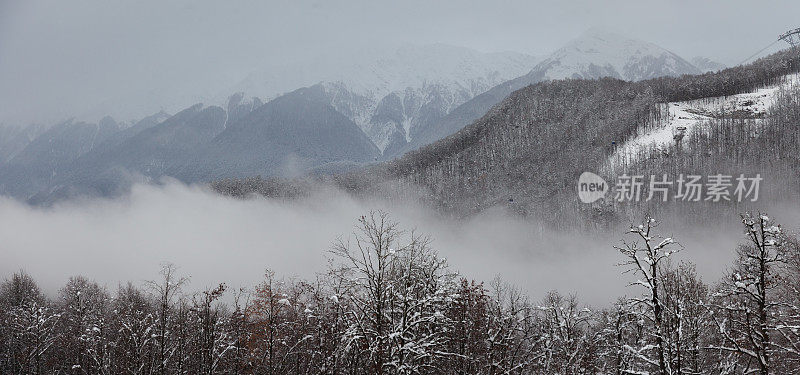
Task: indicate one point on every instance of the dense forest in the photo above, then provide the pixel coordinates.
(527, 152)
(388, 304)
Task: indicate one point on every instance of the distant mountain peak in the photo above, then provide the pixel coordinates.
(707, 65)
(378, 71)
(597, 53)
(393, 92)
(594, 54)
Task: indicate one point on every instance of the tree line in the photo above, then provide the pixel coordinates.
(388, 304)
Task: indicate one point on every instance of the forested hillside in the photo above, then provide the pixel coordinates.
(527, 152)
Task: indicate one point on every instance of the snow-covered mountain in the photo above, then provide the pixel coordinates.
(345, 114)
(599, 53)
(707, 65)
(379, 71)
(393, 93)
(596, 53)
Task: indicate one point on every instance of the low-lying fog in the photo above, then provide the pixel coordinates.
(216, 239)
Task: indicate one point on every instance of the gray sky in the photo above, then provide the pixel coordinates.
(60, 58)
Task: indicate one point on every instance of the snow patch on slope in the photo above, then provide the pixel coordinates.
(690, 114)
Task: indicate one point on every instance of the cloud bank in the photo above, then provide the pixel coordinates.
(216, 239)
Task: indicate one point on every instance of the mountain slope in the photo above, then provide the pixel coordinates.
(117, 139)
(594, 54)
(704, 64)
(390, 95)
(379, 71)
(44, 158)
(527, 152)
(688, 117)
(14, 139)
(599, 53)
(394, 93)
(290, 135)
(296, 133)
(158, 149)
(146, 151)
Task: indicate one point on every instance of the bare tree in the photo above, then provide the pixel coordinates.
(212, 342)
(645, 260)
(745, 306)
(29, 326)
(396, 293)
(787, 326)
(686, 322)
(133, 323)
(167, 290)
(84, 345)
(571, 340)
(514, 335)
(621, 330)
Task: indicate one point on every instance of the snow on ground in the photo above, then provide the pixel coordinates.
(690, 114)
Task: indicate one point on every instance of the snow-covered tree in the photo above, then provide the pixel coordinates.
(84, 346)
(210, 342)
(747, 309)
(686, 322)
(645, 260)
(29, 327)
(787, 326)
(390, 305)
(397, 289)
(468, 335)
(514, 337)
(571, 341)
(133, 324)
(620, 329)
(167, 291)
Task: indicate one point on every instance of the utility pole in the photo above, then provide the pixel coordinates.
(792, 37)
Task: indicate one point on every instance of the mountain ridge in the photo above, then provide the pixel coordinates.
(594, 54)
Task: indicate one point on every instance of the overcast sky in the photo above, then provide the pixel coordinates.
(61, 58)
